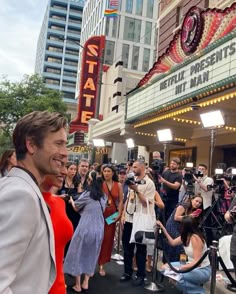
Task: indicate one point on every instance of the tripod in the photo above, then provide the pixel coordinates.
(211, 223)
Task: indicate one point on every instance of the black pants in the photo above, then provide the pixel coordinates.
(141, 252)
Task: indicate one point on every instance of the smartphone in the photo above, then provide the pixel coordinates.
(197, 212)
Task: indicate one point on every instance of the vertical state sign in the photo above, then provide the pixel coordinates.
(89, 83)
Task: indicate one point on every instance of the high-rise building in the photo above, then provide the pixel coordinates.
(58, 47)
(130, 50)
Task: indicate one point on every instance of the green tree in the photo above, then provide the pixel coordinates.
(20, 98)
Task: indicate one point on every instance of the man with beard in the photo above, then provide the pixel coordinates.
(172, 180)
(137, 198)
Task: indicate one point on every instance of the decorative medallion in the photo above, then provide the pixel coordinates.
(191, 32)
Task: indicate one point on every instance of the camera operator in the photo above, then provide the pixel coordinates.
(141, 187)
(157, 168)
(201, 183)
(172, 180)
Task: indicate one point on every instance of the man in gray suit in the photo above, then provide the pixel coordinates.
(27, 258)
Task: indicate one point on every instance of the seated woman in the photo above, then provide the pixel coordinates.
(56, 206)
(174, 221)
(86, 243)
(194, 246)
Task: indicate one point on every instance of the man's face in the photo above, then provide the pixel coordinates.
(122, 177)
(173, 166)
(49, 158)
(203, 170)
(138, 169)
(83, 168)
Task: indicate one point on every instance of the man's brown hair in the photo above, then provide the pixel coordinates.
(36, 126)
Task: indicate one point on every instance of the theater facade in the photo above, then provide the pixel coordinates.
(195, 75)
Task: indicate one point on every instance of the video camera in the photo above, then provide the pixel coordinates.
(158, 166)
(190, 172)
(130, 180)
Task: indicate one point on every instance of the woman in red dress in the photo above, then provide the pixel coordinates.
(113, 189)
(62, 226)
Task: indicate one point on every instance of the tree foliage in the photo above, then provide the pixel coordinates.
(19, 98)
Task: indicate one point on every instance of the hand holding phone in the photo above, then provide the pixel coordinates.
(197, 212)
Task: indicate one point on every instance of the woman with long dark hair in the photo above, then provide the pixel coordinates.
(7, 161)
(195, 246)
(113, 189)
(86, 243)
(190, 207)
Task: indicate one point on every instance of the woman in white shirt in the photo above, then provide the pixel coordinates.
(194, 246)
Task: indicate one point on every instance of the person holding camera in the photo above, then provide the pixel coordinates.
(141, 188)
(172, 180)
(201, 182)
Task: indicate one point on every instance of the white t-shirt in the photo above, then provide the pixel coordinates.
(207, 196)
(134, 203)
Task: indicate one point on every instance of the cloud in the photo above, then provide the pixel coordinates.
(20, 23)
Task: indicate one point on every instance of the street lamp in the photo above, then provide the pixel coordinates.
(165, 136)
(212, 120)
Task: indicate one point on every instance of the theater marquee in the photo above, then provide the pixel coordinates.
(201, 56)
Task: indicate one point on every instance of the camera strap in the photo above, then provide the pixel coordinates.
(128, 199)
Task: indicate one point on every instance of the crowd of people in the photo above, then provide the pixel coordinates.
(41, 193)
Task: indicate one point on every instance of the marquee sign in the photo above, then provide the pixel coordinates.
(199, 30)
(90, 65)
(216, 66)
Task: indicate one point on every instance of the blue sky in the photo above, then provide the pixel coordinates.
(20, 23)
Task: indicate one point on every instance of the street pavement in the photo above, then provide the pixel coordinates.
(110, 284)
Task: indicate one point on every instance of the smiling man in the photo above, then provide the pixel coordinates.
(27, 244)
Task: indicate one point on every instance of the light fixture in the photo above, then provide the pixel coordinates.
(233, 171)
(189, 164)
(212, 119)
(99, 142)
(219, 171)
(130, 143)
(164, 135)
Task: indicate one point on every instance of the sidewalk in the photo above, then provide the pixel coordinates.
(221, 281)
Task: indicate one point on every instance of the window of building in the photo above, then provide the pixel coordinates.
(68, 84)
(132, 29)
(109, 52)
(75, 20)
(69, 95)
(179, 15)
(58, 6)
(55, 49)
(148, 33)
(129, 6)
(146, 58)
(107, 26)
(135, 58)
(150, 8)
(139, 7)
(70, 62)
(114, 27)
(53, 59)
(52, 81)
(53, 70)
(54, 38)
(54, 16)
(72, 52)
(69, 73)
(57, 28)
(125, 55)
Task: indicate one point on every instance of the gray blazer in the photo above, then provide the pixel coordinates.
(27, 258)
